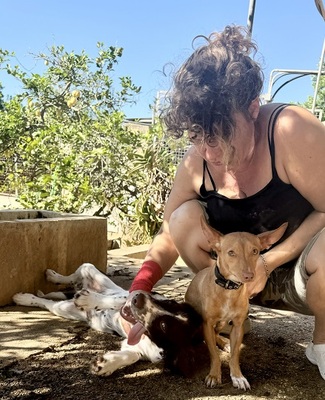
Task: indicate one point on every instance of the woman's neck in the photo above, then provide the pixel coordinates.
(246, 147)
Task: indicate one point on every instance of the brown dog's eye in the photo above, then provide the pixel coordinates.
(231, 253)
(255, 251)
(163, 326)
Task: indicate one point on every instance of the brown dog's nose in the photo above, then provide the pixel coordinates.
(248, 276)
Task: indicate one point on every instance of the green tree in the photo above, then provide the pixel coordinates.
(320, 99)
(3, 57)
(66, 147)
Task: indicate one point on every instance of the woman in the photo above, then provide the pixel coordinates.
(250, 168)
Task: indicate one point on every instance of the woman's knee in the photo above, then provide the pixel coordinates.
(186, 232)
(185, 227)
(185, 218)
(315, 260)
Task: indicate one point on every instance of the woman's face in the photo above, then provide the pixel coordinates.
(219, 153)
(208, 147)
(214, 155)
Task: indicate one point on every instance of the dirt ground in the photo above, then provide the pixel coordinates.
(272, 360)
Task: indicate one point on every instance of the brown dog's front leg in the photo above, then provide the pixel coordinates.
(236, 338)
(214, 376)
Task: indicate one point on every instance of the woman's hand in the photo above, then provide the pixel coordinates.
(259, 282)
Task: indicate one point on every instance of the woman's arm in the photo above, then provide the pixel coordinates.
(300, 161)
(162, 252)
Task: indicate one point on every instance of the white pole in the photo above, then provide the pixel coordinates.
(321, 62)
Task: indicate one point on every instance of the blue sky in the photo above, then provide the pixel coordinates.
(289, 33)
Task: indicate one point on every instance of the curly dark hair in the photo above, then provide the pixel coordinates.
(218, 79)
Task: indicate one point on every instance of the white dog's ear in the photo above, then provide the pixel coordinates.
(270, 237)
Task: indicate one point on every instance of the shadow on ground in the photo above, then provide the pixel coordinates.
(45, 357)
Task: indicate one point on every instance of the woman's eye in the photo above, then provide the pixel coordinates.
(195, 139)
(213, 141)
(192, 136)
(195, 134)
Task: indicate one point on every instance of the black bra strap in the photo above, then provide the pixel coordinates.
(205, 167)
(270, 133)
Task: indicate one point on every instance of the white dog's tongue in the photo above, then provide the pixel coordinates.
(135, 334)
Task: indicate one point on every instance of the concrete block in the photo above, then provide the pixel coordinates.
(33, 240)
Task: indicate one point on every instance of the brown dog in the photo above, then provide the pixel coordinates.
(219, 294)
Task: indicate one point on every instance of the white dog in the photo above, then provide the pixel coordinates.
(147, 324)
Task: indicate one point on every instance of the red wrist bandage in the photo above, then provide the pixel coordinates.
(148, 275)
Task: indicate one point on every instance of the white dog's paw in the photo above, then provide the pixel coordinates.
(25, 299)
(53, 276)
(102, 366)
(113, 360)
(85, 300)
(227, 348)
(240, 382)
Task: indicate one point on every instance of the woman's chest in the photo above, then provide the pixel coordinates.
(237, 185)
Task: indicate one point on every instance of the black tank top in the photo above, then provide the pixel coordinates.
(276, 203)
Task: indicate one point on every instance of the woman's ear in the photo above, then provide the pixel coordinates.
(254, 108)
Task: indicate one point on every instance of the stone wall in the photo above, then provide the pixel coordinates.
(33, 240)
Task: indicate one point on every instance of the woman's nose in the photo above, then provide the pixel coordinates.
(213, 154)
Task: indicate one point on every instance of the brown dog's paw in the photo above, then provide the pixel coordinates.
(240, 382)
(212, 380)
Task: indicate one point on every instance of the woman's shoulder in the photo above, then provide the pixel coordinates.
(292, 121)
(298, 123)
(286, 109)
(190, 170)
(300, 149)
(192, 159)
(270, 109)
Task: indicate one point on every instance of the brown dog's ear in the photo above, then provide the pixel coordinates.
(213, 236)
(270, 237)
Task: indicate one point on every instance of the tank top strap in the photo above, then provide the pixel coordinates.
(205, 168)
(270, 132)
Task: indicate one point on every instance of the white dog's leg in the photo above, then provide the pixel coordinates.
(86, 276)
(59, 279)
(65, 308)
(76, 278)
(147, 348)
(95, 280)
(113, 360)
(52, 295)
(89, 300)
